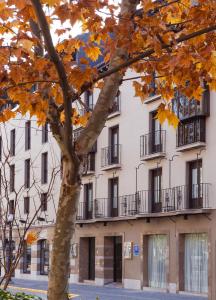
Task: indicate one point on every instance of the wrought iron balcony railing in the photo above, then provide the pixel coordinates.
(111, 155)
(179, 198)
(191, 131)
(152, 143)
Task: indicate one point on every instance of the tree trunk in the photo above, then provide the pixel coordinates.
(64, 229)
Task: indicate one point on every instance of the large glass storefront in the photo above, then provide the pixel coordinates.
(196, 263)
(157, 253)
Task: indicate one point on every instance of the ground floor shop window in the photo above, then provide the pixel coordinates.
(196, 263)
(44, 257)
(157, 253)
(27, 259)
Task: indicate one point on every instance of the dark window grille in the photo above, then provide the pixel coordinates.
(45, 133)
(44, 257)
(27, 135)
(12, 178)
(44, 168)
(26, 205)
(44, 202)
(27, 259)
(11, 207)
(12, 142)
(27, 174)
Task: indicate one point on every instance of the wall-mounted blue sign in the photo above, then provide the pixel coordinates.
(136, 250)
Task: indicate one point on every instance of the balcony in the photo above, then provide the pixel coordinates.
(191, 134)
(85, 211)
(115, 109)
(111, 157)
(171, 201)
(89, 164)
(153, 145)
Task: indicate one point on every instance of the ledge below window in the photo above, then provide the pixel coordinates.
(113, 115)
(110, 167)
(153, 156)
(88, 173)
(192, 146)
(152, 99)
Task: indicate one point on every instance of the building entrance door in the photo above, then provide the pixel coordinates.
(91, 258)
(117, 261)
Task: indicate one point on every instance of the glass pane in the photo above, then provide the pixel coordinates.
(157, 253)
(196, 263)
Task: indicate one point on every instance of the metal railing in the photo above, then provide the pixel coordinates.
(190, 132)
(111, 155)
(178, 198)
(153, 142)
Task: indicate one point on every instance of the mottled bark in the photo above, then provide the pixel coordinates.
(64, 229)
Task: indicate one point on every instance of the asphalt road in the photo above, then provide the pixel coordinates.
(88, 292)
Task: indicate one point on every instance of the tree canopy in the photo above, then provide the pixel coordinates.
(173, 39)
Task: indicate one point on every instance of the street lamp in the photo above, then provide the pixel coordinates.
(137, 168)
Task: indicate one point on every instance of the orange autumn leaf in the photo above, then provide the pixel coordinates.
(31, 237)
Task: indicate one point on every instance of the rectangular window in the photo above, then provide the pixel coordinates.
(45, 133)
(27, 135)
(89, 100)
(114, 145)
(44, 168)
(156, 200)
(113, 196)
(196, 263)
(195, 184)
(157, 253)
(12, 142)
(11, 207)
(44, 257)
(12, 178)
(27, 259)
(26, 205)
(88, 199)
(27, 174)
(44, 202)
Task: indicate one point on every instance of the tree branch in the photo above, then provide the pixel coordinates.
(67, 91)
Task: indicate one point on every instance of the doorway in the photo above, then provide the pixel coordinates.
(156, 175)
(117, 259)
(195, 184)
(91, 258)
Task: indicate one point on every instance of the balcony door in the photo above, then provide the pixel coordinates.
(155, 135)
(195, 184)
(113, 195)
(88, 194)
(114, 145)
(156, 175)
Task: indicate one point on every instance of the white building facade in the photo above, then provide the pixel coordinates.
(146, 214)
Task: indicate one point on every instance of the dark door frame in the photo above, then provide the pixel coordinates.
(112, 182)
(195, 202)
(117, 259)
(156, 206)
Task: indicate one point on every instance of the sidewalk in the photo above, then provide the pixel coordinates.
(89, 292)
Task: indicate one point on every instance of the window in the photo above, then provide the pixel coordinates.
(196, 263)
(44, 202)
(27, 174)
(27, 135)
(113, 196)
(12, 178)
(156, 202)
(26, 258)
(11, 207)
(89, 100)
(191, 131)
(157, 253)
(26, 205)
(44, 168)
(155, 138)
(12, 142)
(45, 133)
(114, 145)
(88, 199)
(116, 104)
(195, 184)
(44, 257)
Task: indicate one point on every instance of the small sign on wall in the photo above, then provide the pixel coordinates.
(136, 250)
(128, 250)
